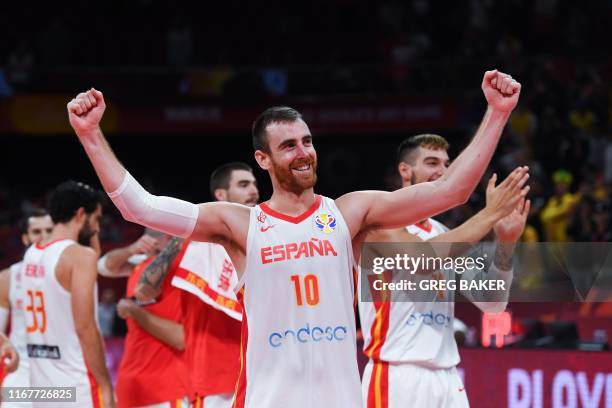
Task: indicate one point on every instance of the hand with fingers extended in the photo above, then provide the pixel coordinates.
(85, 111)
(501, 91)
(503, 199)
(510, 228)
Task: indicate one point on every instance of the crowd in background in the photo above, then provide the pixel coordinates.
(556, 48)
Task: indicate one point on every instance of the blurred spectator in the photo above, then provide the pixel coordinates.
(107, 310)
(55, 44)
(19, 64)
(559, 209)
(595, 223)
(274, 81)
(582, 118)
(5, 88)
(523, 122)
(179, 43)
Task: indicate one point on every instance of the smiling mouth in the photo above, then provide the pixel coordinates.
(304, 167)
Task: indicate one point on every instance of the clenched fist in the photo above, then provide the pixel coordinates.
(85, 111)
(501, 90)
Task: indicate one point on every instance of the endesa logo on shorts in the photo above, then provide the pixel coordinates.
(307, 334)
(429, 319)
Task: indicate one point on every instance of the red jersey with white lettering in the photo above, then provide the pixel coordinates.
(211, 316)
(206, 270)
(298, 326)
(56, 356)
(151, 371)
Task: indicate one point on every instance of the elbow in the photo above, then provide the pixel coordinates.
(458, 195)
(103, 268)
(178, 342)
(179, 345)
(457, 192)
(463, 195)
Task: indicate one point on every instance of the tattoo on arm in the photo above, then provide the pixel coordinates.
(504, 255)
(155, 273)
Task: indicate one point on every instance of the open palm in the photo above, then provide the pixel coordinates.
(510, 228)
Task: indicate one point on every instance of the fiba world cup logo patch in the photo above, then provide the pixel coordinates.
(325, 222)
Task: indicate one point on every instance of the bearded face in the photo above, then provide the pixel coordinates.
(292, 158)
(86, 233)
(297, 175)
(91, 227)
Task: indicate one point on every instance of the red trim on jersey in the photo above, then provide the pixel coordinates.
(379, 330)
(241, 384)
(48, 244)
(295, 220)
(355, 289)
(425, 225)
(378, 390)
(201, 284)
(96, 392)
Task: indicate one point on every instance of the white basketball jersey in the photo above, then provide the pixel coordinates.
(412, 332)
(21, 377)
(299, 337)
(56, 357)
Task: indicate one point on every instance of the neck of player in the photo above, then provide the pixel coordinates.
(291, 203)
(63, 231)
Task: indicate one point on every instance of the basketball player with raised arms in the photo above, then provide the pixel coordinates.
(293, 254)
(36, 227)
(410, 342)
(64, 342)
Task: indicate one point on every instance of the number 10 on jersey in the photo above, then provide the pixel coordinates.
(310, 286)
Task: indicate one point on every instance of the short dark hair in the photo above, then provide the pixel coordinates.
(69, 196)
(220, 177)
(271, 115)
(33, 213)
(427, 140)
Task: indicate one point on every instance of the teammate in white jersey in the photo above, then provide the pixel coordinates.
(411, 344)
(36, 227)
(293, 253)
(59, 281)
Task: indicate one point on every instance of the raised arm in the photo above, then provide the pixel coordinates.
(365, 210)
(206, 222)
(115, 263)
(154, 274)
